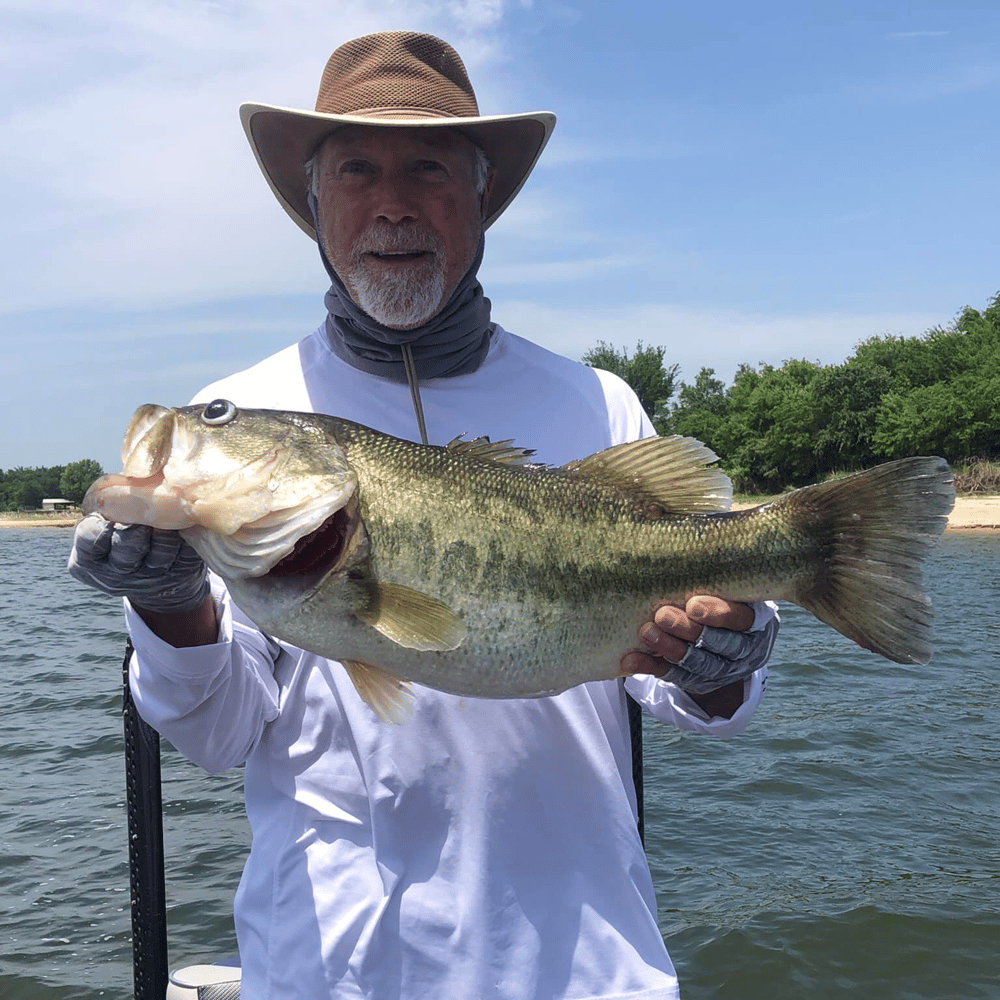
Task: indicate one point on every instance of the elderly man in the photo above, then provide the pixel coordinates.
(485, 848)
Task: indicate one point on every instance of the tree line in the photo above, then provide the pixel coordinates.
(787, 426)
(24, 489)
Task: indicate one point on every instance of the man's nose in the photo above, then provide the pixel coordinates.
(393, 202)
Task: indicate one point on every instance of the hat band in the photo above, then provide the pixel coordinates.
(406, 112)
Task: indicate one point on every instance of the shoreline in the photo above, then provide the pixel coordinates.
(971, 513)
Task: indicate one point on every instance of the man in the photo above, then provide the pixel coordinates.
(485, 848)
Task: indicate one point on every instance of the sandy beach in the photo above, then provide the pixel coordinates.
(38, 520)
(970, 512)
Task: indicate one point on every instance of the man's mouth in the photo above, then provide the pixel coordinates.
(393, 256)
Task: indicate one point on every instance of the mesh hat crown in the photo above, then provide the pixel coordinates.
(392, 79)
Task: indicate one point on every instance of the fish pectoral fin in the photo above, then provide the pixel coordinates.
(412, 619)
(387, 695)
(666, 471)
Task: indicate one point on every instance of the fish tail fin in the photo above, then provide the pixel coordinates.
(876, 527)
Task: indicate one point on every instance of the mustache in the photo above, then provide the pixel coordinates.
(402, 238)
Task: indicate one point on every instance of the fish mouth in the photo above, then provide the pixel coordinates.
(148, 441)
(319, 551)
(324, 550)
(242, 511)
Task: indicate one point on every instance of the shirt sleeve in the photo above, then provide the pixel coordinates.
(668, 703)
(212, 702)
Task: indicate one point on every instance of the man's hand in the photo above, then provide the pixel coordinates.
(703, 648)
(163, 577)
(156, 570)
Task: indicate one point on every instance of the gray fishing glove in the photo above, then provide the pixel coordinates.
(720, 657)
(155, 569)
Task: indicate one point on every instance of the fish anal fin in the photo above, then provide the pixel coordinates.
(668, 472)
(410, 618)
(387, 695)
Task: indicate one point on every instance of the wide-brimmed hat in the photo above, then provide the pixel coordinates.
(392, 78)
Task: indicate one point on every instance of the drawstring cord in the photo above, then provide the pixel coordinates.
(411, 378)
(413, 382)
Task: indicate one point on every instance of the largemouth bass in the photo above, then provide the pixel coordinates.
(470, 570)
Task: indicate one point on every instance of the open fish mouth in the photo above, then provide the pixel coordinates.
(243, 500)
(323, 550)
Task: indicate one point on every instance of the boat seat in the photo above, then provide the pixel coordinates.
(205, 982)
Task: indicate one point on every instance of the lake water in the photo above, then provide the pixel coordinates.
(846, 844)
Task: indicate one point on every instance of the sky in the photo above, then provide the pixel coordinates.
(737, 182)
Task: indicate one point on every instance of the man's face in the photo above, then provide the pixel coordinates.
(400, 217)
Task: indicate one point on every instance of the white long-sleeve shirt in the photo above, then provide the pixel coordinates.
(482, 849)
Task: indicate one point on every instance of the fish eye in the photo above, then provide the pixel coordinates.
(219, 411)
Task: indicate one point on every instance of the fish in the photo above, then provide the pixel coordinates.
(474, 570)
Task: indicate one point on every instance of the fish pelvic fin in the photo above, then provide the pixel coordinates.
(410, 618)
(387, 695)
(669, 472)
(876, 527)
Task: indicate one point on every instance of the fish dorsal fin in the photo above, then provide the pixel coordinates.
(410, 618)
(387, 695)
(668, 471)
(505, 452)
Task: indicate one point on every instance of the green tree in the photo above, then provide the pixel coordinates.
(896, 396)
(24, 489)
(959, 419)
(945, 393)
(910, 361)
(649, 378)
(774, 427)
(77, 477)
(848, 398)
(701, 410)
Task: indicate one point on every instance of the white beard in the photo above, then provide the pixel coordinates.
(400, 300)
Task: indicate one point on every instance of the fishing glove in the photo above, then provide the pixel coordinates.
(720, 656)
(155, 569)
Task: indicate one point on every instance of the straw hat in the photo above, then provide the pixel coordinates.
(392, 78)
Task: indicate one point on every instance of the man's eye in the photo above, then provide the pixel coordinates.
(430, 166)
(355, 167)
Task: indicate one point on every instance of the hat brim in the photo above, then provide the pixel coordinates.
(283, 139)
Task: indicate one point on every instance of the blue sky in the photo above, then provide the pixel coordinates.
(737, 182)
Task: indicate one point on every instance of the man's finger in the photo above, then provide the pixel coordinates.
(129, 547)
(164, 547)
(662, 642)
(717, 613)
(92, 537)
(676, 622)
(637, 662)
